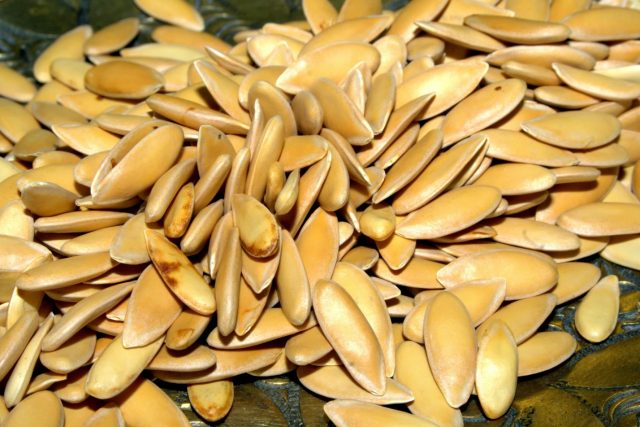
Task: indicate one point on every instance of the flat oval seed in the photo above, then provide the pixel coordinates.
(535, 75)
(597, 85)
(75, 353)
(365, 294)
(526, 274)
(409, 165)
(449, 82)
(523, 317)
(489, 104)
(165, 189)
(177, 12)
(450, 341)
(42, 409)
(349, 333)
(597, 313)
(516, 179)
(461, 36)
(307, 112)
(497, 369)
(563, 97)
(66, 271)
(105, 79)
(335, 382)
(229, 363)
(16, 121)
(271, 325)
(15, 86)
(574, 129)
(259, 232)
(144, 402)
(212, 401)
(179, 214)
(186, 329)
(422, 10)
(417, 273)
(312, 66)
(452, 212)
(543, 351)
(340, 113)
(68, 45)
(533, 235)
(302, 151)
(543, 55)
(438, 175)
(179, 274)
(291, 281)
(112, 37)
(362, 29)
(575, 279)
(83, 313)
(413, 371)
(345, 413)
(196, 358)
(518, 30)
(228, 284)
(602, 219)
(618, 24)
(129, 245)
(518, 147)
(151, 310)
(118, 367)
(118, 183)
(106, 417)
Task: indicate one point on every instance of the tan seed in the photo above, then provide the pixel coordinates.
(450, 341)
(497, 369)
(597, 313)
(179, 274)
(543, 351)
(516, 267)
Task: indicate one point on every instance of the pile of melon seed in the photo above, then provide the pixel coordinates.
(390, 204)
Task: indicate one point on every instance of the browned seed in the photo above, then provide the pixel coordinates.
(179, 274)
(186, 329)
(211, 400)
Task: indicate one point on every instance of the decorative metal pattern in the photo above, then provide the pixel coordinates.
(599, 385)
